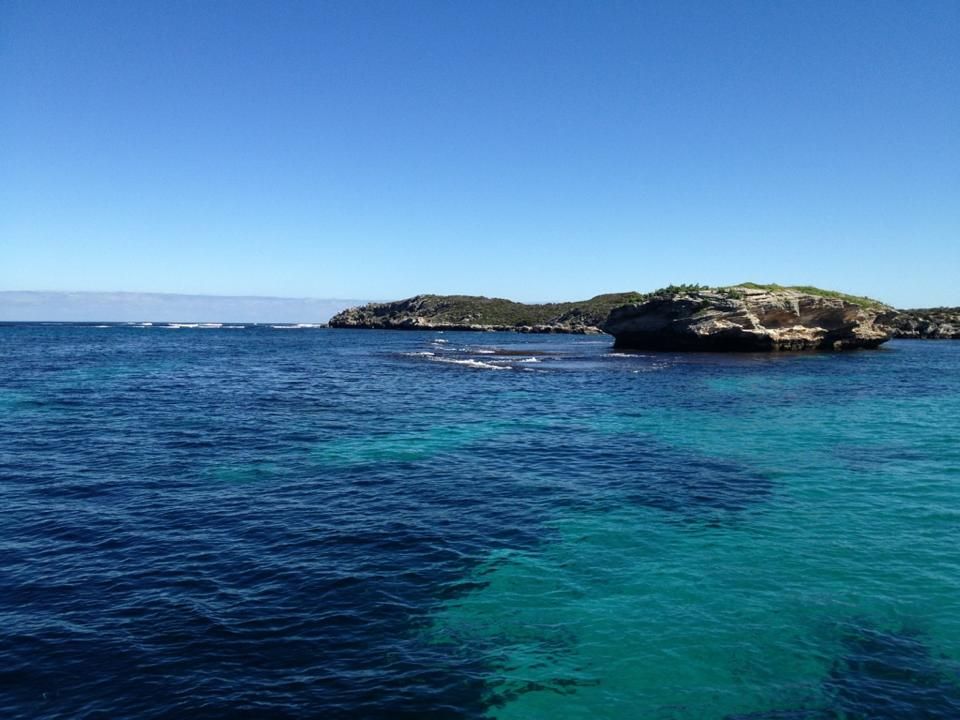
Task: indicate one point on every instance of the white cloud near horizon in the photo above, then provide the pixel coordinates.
(40, 306)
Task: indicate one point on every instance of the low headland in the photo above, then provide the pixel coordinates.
(746, 317)
(469, 312)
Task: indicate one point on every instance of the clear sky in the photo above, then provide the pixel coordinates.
(533, 150)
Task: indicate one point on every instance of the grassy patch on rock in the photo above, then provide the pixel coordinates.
(498, 311)
(861, 300)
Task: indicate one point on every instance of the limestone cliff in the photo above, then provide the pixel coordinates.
(748, 318)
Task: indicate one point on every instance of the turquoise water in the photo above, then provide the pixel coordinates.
(635, 612)
(312, 523)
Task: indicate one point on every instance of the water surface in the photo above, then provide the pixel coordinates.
(294, 522)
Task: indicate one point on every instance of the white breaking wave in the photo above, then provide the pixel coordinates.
(440, 340)
(419, 354)
(529, 360)
(655, 367)
(486, 352)
(470, 363)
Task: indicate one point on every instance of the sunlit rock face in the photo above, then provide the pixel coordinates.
(747, 320)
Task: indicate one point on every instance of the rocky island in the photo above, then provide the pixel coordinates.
(749, 318)
(745, 317)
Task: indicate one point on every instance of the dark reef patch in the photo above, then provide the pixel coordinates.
(689, 483)
(603, 469)
(891, 675)
(882, 675)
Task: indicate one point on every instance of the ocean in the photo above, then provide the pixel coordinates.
(295, 522)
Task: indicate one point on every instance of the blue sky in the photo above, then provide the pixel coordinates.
(533, 150)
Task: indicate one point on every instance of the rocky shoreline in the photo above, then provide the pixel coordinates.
(741, 318)
(414, 324)
(926, 324)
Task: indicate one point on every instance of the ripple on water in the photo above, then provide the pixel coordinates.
(404, 446)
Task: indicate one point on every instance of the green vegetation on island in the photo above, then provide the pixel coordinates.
(471, 310)
(861, 300)
(735, 291)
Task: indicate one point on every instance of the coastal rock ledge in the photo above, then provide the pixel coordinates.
(928, 324)
(748, 319)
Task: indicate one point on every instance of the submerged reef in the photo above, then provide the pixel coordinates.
(697, 485)
(887, 675)
(881, 675)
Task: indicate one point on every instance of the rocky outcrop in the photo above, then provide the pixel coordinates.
(748, 320)
(929, 324)
(466, 312)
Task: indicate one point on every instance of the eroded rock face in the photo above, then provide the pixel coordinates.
(930, 324)
(746, 320)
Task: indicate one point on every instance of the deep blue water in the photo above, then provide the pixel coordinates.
(307, 523)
